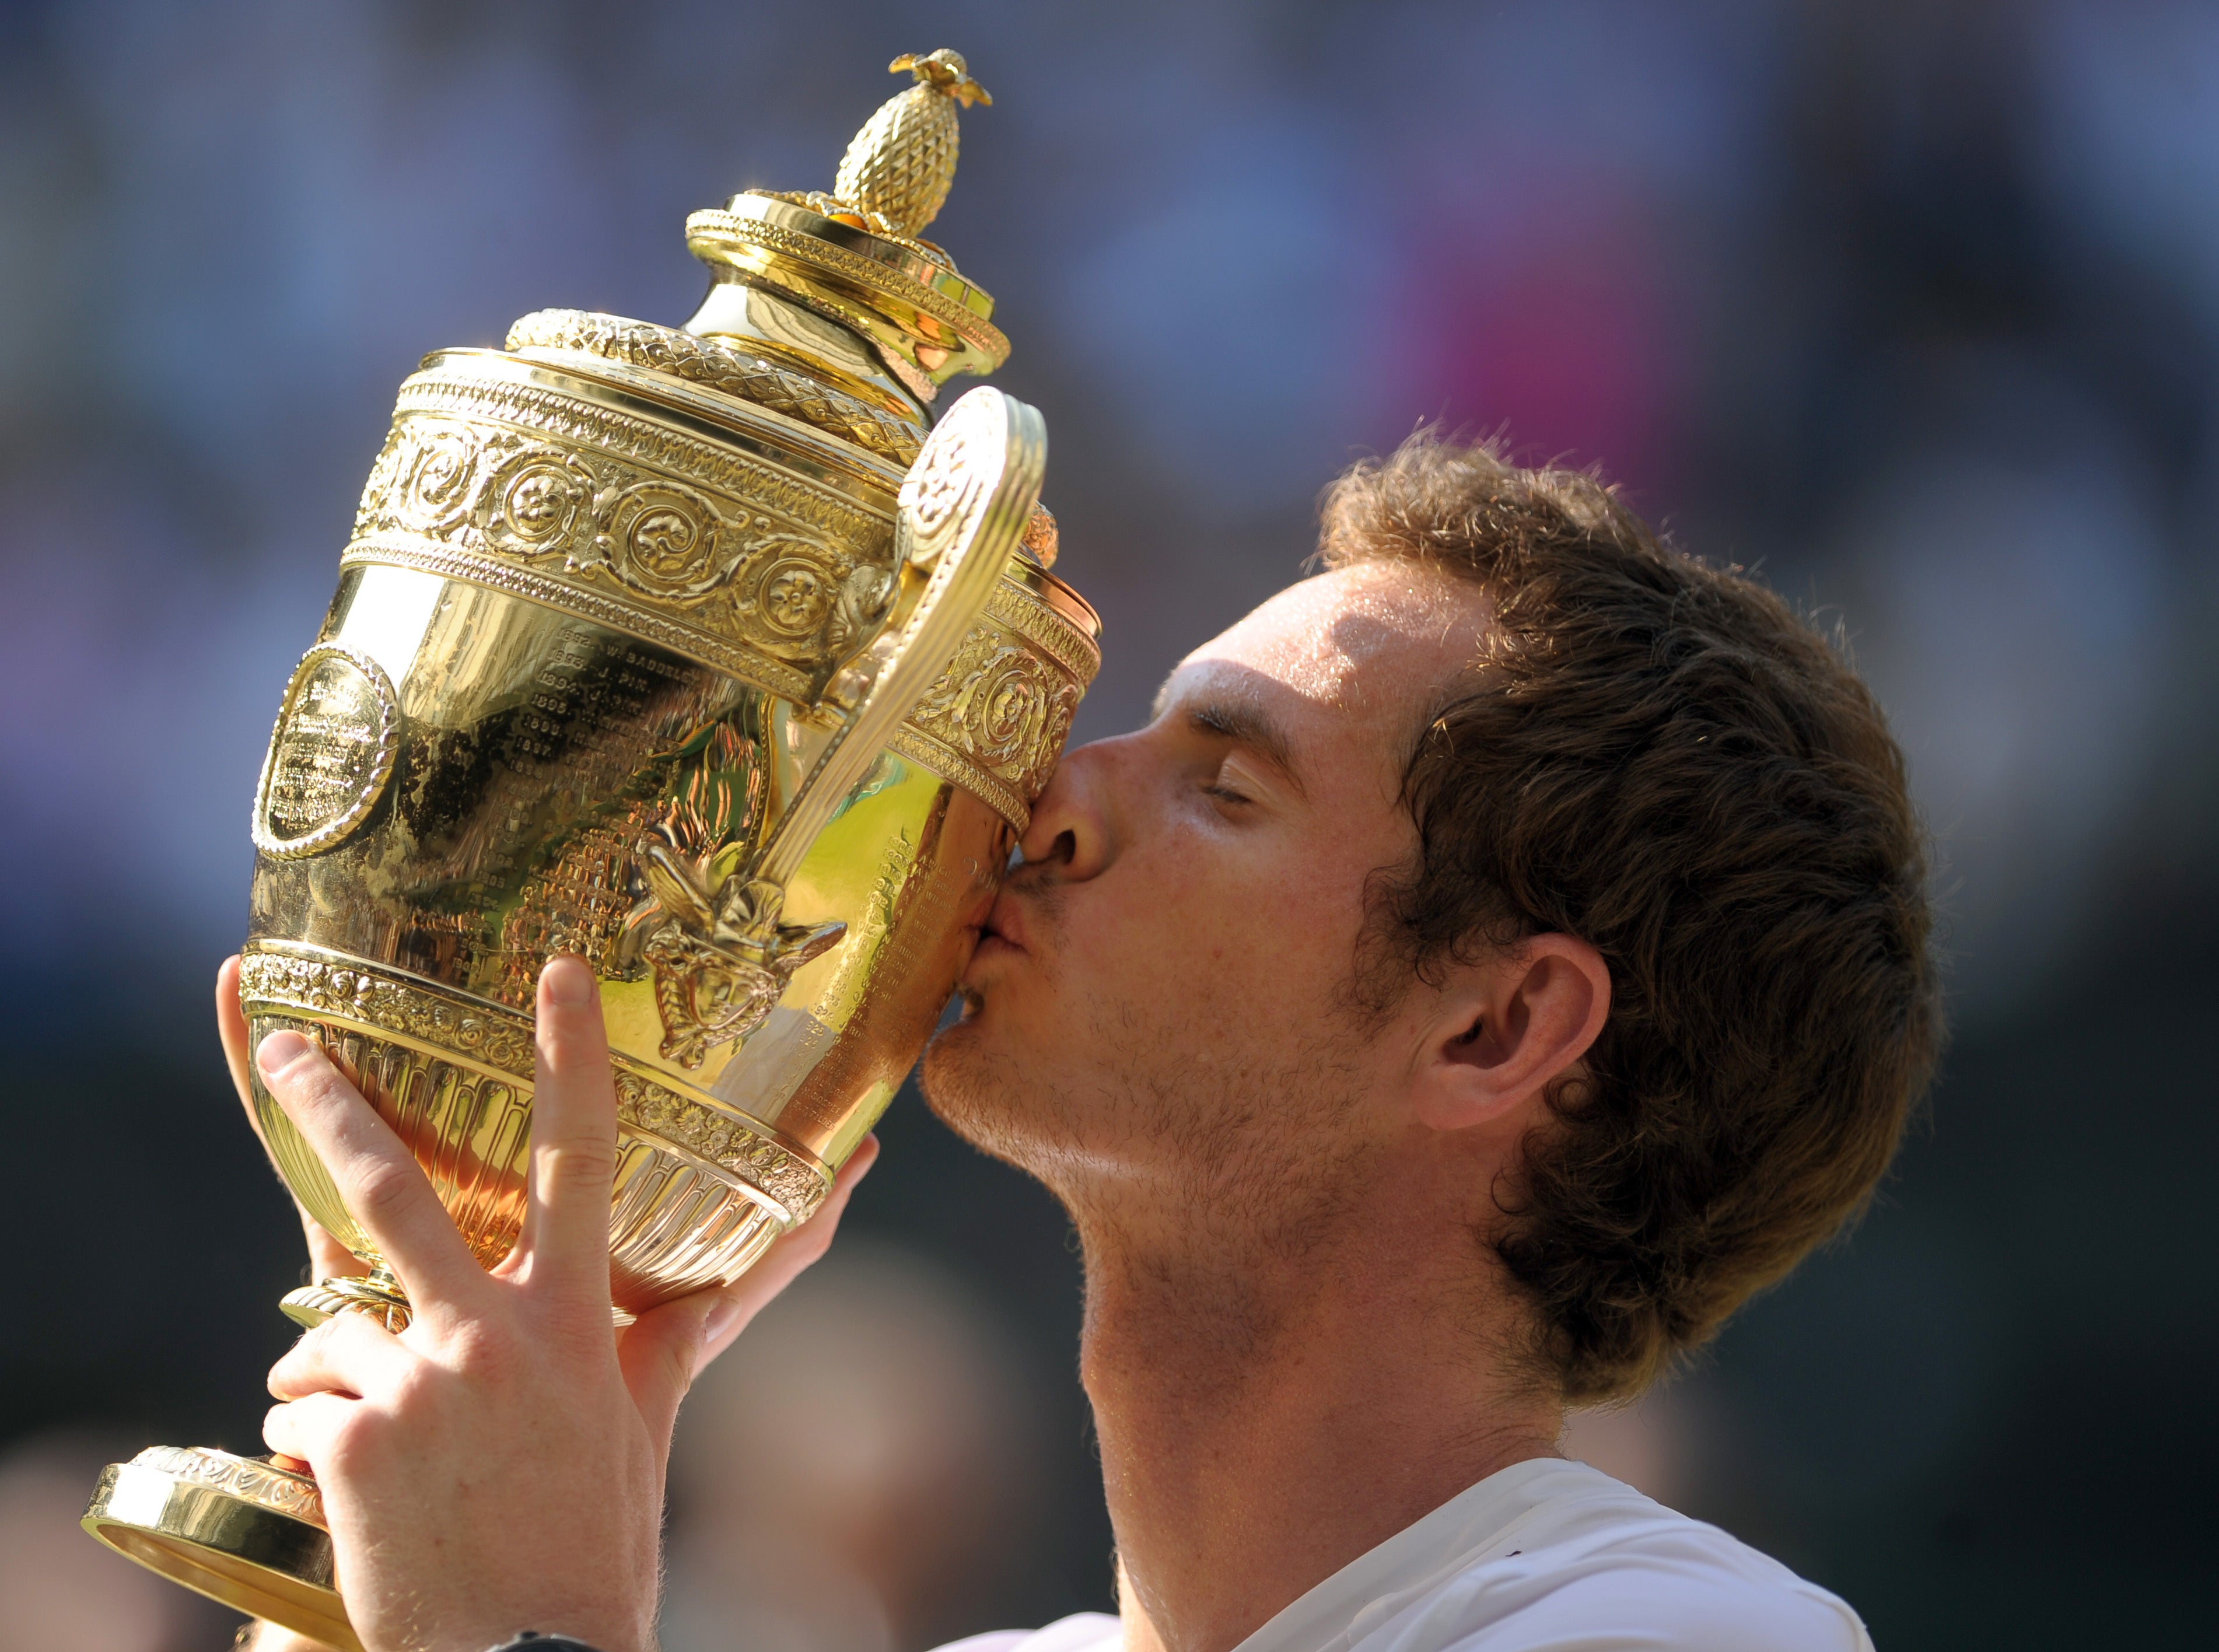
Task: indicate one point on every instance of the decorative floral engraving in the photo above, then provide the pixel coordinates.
(722, 1140)
(451, 394)
(538, 502)
(264, 1483)
(436, 478)
(993, 722)
(501, 1038)
(667, 541)
(482, 1034)
(749, 567)
(794, 597)
(1002, 707)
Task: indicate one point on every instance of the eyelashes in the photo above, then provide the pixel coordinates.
(1224, 785)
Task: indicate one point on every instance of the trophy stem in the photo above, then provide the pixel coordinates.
(377, 1293)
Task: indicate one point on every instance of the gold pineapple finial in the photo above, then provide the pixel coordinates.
(900, 165)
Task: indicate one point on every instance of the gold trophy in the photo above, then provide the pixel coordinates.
(707, 654)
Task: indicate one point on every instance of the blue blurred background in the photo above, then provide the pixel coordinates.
(1913, 306)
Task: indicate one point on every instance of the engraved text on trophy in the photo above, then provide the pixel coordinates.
(330, 755)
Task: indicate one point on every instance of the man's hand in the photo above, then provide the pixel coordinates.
(327, 1258)
(498, 1465)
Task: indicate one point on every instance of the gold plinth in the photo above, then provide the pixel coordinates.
(239, 1529)
(706, 654)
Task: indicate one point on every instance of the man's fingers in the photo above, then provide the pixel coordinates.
(304, 1428)
(326, 1256)
(668, 1347)
(380, 1184)
(658, 1356)
(747, 1296)
(230, 1028)
(255, 1636)
(574, 1138)
(350, 1354)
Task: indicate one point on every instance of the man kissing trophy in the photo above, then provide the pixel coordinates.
(1499, 956)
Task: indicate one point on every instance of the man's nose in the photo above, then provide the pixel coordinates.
(1071, 828)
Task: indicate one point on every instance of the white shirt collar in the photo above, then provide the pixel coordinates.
(1375, 1586)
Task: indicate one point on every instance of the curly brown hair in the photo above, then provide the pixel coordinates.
(1661, 758)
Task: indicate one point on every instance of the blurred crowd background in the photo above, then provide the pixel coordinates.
(1913, 306)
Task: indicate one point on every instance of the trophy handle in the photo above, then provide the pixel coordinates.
(963, 508)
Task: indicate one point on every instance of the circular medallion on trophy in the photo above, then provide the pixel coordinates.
(437, 470)
(538, 500)
(796, 597)
(331, 756)
(667, 540)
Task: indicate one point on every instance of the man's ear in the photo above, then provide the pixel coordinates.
(1504, 1028)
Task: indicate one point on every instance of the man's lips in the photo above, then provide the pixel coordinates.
(1005, 928)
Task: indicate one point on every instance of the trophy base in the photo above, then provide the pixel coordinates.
(242, 1531)
(377, 1293)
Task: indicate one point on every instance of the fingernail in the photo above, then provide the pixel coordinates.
(720, 1321)
(280, 1051)
(567, 983)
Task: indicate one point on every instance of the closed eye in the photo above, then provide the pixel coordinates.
(1229, 785)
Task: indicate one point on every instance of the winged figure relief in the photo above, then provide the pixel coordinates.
(721, 957)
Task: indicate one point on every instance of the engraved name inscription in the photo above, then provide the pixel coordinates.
(330, 755)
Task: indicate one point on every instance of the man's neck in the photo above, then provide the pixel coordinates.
(1268, 1413)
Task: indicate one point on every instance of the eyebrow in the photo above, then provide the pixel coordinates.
(1249, 724)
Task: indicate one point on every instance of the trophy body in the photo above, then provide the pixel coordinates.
(521, 771)
(691, 653)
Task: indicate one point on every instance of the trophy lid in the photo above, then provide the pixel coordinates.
(855, 256)
(827, 309)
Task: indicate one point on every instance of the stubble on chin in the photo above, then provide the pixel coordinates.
(1127, 1106)
(968, 1086)
(1153, 1093)
(974, 1083)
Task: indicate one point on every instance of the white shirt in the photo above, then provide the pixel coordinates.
(1545, 1557)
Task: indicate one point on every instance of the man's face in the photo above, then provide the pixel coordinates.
(1163, 996)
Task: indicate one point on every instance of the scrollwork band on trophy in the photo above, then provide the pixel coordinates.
(708, 655)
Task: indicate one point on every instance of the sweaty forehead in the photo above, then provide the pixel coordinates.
(1371, 639)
